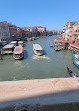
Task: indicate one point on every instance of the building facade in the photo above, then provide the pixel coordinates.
(4, 32)
(76, 31)
(70, 30)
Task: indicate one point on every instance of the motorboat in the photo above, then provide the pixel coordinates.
(18, 52)
(20, 43)
(8, 49)
(37, 49)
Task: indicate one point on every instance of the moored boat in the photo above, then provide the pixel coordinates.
(75, 57)
(20, 43)
(14, 43)
(37, 49)
(51, 45)
(8, 49)
(18, 52)
(73, 74)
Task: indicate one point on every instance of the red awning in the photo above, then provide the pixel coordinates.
(71, 41)
(73, 44)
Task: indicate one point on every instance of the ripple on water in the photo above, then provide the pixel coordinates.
(40, 57)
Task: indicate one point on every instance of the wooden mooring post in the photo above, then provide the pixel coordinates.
(1, 54)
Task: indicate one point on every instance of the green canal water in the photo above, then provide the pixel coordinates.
(51, 65)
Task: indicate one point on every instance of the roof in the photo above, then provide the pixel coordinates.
(28, 27)
(18, 50)
(39, 26)
(13, 42)
(9, 24)
(70, 41)
(37, 47)
(21, 42)
(75, 45)
(8, 46)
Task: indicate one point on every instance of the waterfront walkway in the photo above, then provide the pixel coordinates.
(40, 91)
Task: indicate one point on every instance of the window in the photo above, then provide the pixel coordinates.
(5, 34)
(0, 33)
(4, 27)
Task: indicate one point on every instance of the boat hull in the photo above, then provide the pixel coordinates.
(37, 49)
(18, 57)
(72, 74)
(39, 54)
(76, 64)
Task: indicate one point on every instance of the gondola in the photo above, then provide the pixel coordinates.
(74, 75)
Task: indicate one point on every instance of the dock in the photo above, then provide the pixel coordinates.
(58, 44)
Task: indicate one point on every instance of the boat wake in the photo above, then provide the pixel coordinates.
(40, 57)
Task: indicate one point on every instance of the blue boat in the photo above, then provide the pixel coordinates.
(77, 64)
(75, 58)
(74, 75)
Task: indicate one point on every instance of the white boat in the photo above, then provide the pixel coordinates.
(37, 49)
(8, 49)
(14, 43)
(20, 43)
(18, 52)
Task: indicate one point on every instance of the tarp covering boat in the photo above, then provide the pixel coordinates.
(18, 50)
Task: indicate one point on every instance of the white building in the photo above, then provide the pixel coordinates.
(4, 32)
(40, 28)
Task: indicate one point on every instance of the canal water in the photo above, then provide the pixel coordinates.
(51, 65)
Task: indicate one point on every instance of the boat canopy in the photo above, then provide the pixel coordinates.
(8, 46)
(18, 50)
(20, 42)
(13, 42)
(37, 47)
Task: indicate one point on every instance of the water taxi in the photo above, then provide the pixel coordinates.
(20, 43)
(8, 49)
(18, 52)
(37, 49)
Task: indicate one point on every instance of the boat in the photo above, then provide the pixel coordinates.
(20, 43)
(18, 52)
(14, 43)
(37, 49)
(51, 45)
(73, 74)
(8, 49)
(75, 58)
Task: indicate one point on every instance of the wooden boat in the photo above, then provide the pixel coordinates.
(74, 75)
(18, 52)
(37, 49)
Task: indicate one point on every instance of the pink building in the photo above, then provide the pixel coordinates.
(76, 31)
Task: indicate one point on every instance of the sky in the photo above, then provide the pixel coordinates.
(52, 14)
